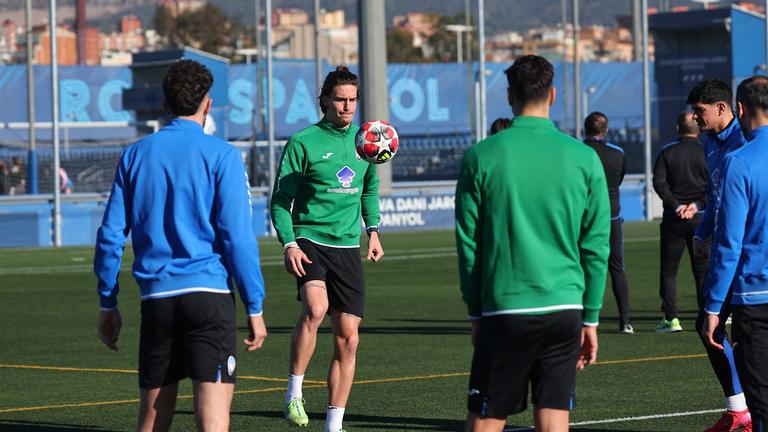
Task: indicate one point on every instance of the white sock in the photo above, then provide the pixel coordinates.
(736, 402)
(294, 387)
(333, 419)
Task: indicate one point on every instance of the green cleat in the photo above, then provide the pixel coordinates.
(671, 326)
(295, 414)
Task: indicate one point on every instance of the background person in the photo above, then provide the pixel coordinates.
(533, 294)
(184, 198)
(321, 191)
(680, 180)
(612, 159)
(711, 102)
(738, 266)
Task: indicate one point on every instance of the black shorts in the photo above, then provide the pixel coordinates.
(342, 271)
(188, 336)
(513, 350)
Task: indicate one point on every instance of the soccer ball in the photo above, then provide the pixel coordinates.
(376, 142)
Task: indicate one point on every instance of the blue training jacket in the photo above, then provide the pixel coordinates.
(716, 146)
(740, 254)
(184, 198)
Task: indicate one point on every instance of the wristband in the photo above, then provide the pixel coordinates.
(372, 229)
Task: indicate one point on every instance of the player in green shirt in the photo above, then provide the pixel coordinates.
(321, 192)
(532, 232)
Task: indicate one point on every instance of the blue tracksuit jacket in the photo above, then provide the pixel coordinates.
(740, 252)
(716, 146)
(184, 198)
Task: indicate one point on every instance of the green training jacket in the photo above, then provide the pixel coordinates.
(532, 223)
(329, 186)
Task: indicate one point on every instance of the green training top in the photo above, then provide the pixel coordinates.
(532, 223)
(328, 185)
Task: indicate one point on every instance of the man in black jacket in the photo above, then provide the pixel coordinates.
(680, 180)
(612, 157)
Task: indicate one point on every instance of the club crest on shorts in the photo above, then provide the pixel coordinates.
(231, 365)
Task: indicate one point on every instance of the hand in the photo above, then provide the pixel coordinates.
(257, 334)
(475, 332)
(295, 259)
(700, 248)
(712, 322)
(375, 252)
(681, 212)
(588, 350)
(692, 210)
(109, 327)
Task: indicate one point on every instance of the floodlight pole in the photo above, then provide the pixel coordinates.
(55, 124)
(374, 102)
(481, 130)
(318, 63)
(270, 107)
(576, 73)
(32, 152)
(647, 114)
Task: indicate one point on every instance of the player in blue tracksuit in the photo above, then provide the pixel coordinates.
(184, 198)
(739, 264)
(711, 105)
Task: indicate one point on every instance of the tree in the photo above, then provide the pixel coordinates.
(400, 47)
(205, 28)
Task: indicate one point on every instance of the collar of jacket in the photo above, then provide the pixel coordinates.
(722, 137)
(185, 124)
(332, 129)
(533, 122)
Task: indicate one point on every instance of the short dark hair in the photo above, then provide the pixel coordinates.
(710, 92)
(341, 76)
(500, 124)
(530, 78)
(753, 93)
(185, 85)
(686, 125)
(595, 124)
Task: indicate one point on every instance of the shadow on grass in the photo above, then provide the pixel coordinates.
(395, 423)
(395, 330)
(29, 426)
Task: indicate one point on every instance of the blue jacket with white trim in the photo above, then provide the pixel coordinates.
(740, 254)
(716, 146)
(184, 197)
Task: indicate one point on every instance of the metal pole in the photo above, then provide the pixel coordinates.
(566, 105)
(481, 132)
(576, 73)
(766, 37)
(32, 152)
(470, 68)
(373, 73)
(318, 63)
(459, 43)
(259, 70)
(55, 124)
(647, 115)
(637, 32)
(270, 104)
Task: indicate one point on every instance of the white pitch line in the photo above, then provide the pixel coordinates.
(629, 419)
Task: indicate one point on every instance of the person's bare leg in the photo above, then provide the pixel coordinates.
(213, 401)
(342, 370)
(550, 420)
(315, 305)
(156, 408)
(477, 423)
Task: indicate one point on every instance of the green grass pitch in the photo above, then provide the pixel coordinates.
(413, 358)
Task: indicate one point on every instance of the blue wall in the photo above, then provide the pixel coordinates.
(424, 99)
(31, 225)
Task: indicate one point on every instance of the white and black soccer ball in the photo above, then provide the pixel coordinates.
(377, 141)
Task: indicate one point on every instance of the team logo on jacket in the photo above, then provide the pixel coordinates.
(345, 175)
